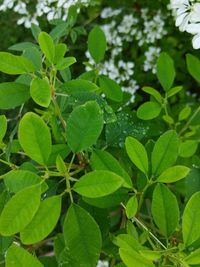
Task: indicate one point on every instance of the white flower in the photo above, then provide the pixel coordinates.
(187, 15)
(151, 56)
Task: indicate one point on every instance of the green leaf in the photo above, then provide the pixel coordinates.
(79, 86)
(18, 257)
(111, 89)
(3, 126)
(98, 184)
(66, 259)
(188, 148)
(97, 44)
(19, 210)
(137, 153)
(153, 92)
(60, 50)
(59, 30)
(131, 258)
(174, 91)
(191, 219)
(149, 110)
(65, 63)
(185, 113)
(131, 207)
(35, 137)
(112, 200)
(41, 92)
(102, 160)
(193, 66)
(193, 258)
(13, 94)
(47, 45)
(35, 56)
(165, 210)
(82, 236)
(165, 152)
(17, 180)
(43, 222)
(126, 241)
(60, 165)
(35, 29)
(84, 126)
(173, 174)
(165, 71)
(11, 64)
(22, 46)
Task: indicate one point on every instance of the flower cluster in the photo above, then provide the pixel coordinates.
(137, 29)
(52, 9)
(187, 14)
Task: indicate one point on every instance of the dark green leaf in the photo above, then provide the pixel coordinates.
(82, 236)
(165, 210)
(13, 94)
(84, 126)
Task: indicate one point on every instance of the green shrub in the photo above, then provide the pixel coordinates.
(85, 177)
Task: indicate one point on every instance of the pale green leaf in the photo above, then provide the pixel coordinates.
(19, 257)
(153, 92)
(137, 153)
(47, 45)
(41, 92)
(98, 184)
(188, 148)
(34, 137)
(173, 174)
(11, 64)
(165, 152)
(191, 219)
(102, 160)
(17, 180)
(131, 207)
(19, 210)
(193, 258)
(43, 222)
(79, 86)
(132, 258)
(65, 63)
(149, 110)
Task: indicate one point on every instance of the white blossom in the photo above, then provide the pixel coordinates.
(52, 9)
(187, 15)
(151, 56)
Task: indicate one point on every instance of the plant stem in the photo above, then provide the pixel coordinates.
(150, 233)
(11, 165)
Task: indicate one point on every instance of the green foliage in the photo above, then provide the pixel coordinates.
(35, 138)
(85, 124)
(165, 210)
(165, 71)
(97, 44)
(82, 236)
(87, 176)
